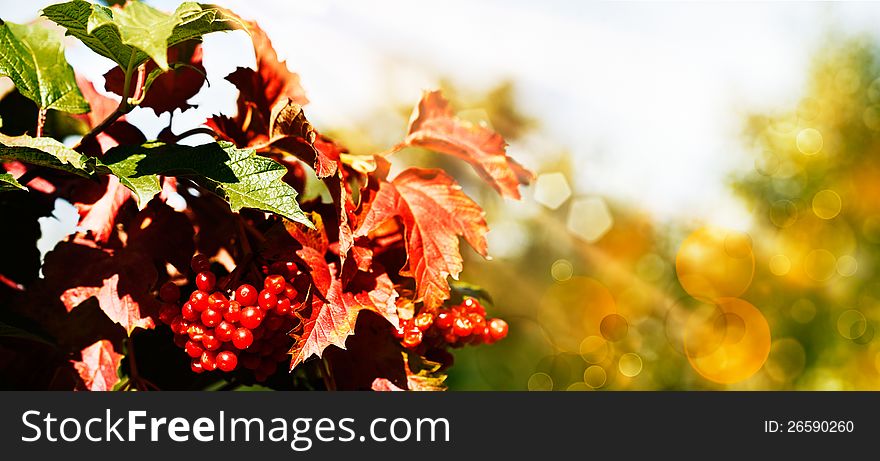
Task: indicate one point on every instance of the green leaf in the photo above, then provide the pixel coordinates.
(136, 32)
(8, 183)
(240, 176)
(33, 57)
(46, 152)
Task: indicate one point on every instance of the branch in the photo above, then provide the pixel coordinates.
(123, 108)
(41, 121)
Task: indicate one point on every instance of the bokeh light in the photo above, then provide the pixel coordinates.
(552, 190)
(729, 345)
(630, 365)
(714, 263)
(540, 382)
(595, 376)
(589, 219)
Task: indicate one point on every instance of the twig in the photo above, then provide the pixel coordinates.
(41, 120)
(122, 109)
(193, 132)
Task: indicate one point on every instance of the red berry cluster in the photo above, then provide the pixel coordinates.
(456, 326)
(249, 330)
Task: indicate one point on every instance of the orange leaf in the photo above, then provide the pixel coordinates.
(434, 126)
(435, 212)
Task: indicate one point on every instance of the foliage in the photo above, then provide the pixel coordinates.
(362, 274)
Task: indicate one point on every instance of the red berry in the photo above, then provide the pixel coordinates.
(290, 292)
(211, 317)
(462, 326)
(196, 331)
(218, 301)
(251, 317)
(227, 361)
(179, 325)
(267, 300)
(242, 338)
(412, 338)
(211, 342)
(200, 263)
(233, 312)
(209, 361)
(282, 307)
(205, 281)
(478, 321)
(193, 349)
(169, 292)
(167, 313)
(450, 338)
(497, 329)
(246, 295)
(188, 312)
(444, 320)
(196, 366)
(471, 305)
(224, 331)
(423, 321)
(199, 300)
(274, 284)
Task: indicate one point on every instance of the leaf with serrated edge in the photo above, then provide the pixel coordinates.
(8, 183)
(434, 126)
(332, 321)
(98, 366)
(435, 212)
(136, 31)
(46, 152)
(123, 309)
(241, 177)
(32, 56)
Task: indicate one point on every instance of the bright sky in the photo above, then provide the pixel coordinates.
(648, 97)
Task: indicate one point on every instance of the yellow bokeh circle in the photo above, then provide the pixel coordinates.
(630, 365)
(730, 344)
(595, 376)
(780, 265)
(809, 141)
(714, 263)
(826, 204)
(820, 264)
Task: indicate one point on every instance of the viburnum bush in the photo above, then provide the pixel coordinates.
(206, 266)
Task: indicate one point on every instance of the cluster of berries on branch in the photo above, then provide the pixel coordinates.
(455, 326)
(248, 329)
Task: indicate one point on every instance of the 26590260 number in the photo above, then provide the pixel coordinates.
(820, 426)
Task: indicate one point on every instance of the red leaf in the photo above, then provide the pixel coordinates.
(101, 215)
(172, 89)
(434, 126)
(98, 366)
(333, 319)
(434, 212)
(121, 309)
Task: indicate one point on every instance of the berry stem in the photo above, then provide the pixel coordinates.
(41, 121)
